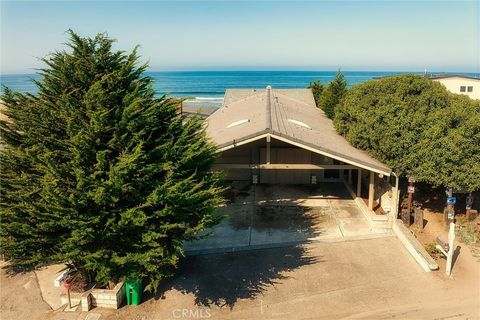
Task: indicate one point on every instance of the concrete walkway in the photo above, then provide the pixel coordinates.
(270, 216)
(50, 293)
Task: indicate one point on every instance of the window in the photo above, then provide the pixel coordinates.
(470, 88)
(462, 89)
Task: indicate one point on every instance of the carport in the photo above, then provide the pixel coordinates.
(268, 136)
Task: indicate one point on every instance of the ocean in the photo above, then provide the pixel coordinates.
(208, 87)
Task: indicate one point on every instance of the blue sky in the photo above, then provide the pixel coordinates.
(268, 35)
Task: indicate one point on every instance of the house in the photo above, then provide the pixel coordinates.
(469, 86)
(279, 136)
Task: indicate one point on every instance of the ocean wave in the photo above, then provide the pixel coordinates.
(208, 98)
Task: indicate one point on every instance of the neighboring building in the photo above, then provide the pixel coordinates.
(460, 84)
(272, 136)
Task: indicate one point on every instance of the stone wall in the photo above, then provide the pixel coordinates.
(108, 298)
(103, 298)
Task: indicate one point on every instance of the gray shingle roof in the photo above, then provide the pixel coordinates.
(286, 114)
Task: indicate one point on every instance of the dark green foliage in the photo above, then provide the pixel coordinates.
(449, 150)
(99, 173)
(417, 127)
(317, 89)
(332, 95)
(328, 97)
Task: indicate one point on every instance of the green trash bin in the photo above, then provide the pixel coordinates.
(133, 289)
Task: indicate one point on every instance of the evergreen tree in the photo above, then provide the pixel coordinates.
(317, 89)
(99, 173)
(417, 127)
(449, 148)
(333, 94)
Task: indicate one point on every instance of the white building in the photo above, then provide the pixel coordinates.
(460, 84)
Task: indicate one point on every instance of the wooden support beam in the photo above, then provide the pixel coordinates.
(268, 149)
(359, 183)
(349, 176)
(283, 166)
(371, 190)
(396, 196)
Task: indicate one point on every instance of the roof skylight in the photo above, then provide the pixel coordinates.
(299, 123)
(237, 123)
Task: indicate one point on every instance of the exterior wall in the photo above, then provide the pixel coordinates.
(285, 155)
(280, 152)
(385, 194)
(453, 84)
(240, 155)
(384, 191)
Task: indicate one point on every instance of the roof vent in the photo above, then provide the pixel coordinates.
(299, 123)
(237, 123)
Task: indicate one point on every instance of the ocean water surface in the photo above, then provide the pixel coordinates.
(208, 87)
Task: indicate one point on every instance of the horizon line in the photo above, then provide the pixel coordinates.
(36, 72)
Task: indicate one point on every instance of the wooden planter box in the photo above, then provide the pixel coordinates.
(103, 298)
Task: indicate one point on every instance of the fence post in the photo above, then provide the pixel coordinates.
(451, 238)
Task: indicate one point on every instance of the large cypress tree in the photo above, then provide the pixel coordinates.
(332, 94)
(99, 173)
(417, 127)
(317, 88)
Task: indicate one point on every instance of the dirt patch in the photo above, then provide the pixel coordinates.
(466, 259)
(20, 296)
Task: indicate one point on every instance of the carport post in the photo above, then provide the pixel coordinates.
(268, 149)
(349, 176)
(371, 190)
(359, 183)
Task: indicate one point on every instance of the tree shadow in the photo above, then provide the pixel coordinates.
(434, 198)
(11, 269)
(223, 279)
(257, 217)
(424, 223)
(304, 221)
(253, 225)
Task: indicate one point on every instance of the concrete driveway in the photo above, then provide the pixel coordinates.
(351, 279)
(265, 216)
